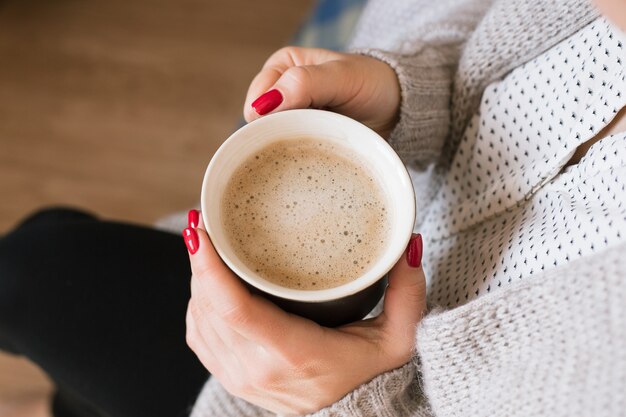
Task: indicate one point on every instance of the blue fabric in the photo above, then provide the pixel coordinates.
(331, 24)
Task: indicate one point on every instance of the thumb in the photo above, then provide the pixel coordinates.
(405, 298)
(304, 86)
(210, 275)
(213, 284)
(203, 257)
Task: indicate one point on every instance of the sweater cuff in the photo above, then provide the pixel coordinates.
(394, 393)
(215, 401)
(425, 80)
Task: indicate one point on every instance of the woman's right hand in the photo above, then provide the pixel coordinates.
(358, 86)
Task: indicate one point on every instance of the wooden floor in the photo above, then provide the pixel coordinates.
(117, 106)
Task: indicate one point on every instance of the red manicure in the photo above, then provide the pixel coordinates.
(267, 102)
(414, 252)
(191, 240)
(193, 218)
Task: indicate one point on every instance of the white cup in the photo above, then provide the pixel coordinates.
(347, 302)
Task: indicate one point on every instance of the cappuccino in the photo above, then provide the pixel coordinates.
(305, 214)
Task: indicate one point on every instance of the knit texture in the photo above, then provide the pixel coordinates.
(512, 33)
(551, 344)
(215, 401)
(373, 399)
(422, 41)
(454, 53)
(426, 81)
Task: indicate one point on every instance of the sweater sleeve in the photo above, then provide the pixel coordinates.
(424, 118)
(395, 393)
(215, 401)
(551, 344)
(422, 42)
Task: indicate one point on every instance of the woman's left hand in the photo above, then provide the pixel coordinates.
(285, 363)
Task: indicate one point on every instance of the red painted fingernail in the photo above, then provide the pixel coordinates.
(191, 240)
(414, 253)
(267, 102)
(193, 218)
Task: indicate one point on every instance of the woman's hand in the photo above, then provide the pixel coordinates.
(357, 86)
(285, 363)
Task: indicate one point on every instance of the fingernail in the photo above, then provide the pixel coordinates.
(191, 240)
(414, 253)
(267, 102)
(193, 218)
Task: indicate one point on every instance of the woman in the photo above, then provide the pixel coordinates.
(512, 116)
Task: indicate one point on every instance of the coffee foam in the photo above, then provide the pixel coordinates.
(305, 214)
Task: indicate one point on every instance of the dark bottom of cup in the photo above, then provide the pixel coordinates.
(335, 312)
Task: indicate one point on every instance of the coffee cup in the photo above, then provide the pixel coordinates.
(351, 300)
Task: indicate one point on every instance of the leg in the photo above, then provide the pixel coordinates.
(100, 306)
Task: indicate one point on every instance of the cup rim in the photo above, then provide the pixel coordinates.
(321, 295)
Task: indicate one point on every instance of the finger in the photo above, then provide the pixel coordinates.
(197, 343)
(251, 316)
(234, 341)
(202, 309)
(320, 79)
(261, 84)
(213, 331)
(405, 298)
(200, 221)
(277, 64)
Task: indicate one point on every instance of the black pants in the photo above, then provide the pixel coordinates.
(100, 306)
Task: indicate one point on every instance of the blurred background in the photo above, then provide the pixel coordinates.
(116, 107)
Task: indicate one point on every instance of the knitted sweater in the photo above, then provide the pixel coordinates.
(551, 344)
